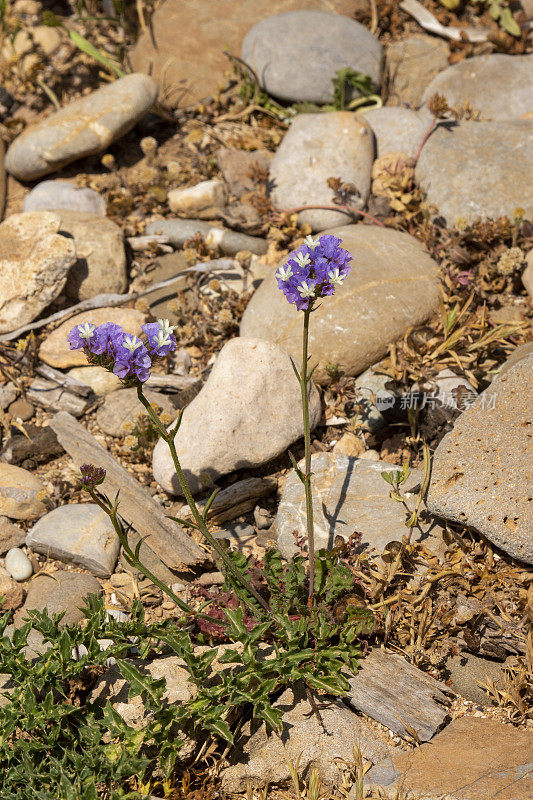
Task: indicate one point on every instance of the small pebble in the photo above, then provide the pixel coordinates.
(178, 587)
(262, 518)
(211, 579)
(21, 409)
(18, 564)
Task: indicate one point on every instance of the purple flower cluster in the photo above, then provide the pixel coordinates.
(314, 270)
(129, 357)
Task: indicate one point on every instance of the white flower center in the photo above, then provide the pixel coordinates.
(306, 290)
(335, 277)
(302, 260)
(166, 327)
(162, 339)
(131, 343)
(312, 243)
(284, 273)
(86, 330)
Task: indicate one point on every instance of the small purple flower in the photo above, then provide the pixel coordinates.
(131, 358)
(81, 335)
(105, 339)
(109, 346)
(160, 337)
(314, 270)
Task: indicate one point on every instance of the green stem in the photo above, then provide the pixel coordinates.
(111, 511)
(168, 437)
(307, 441)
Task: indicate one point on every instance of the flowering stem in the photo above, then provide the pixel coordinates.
(201, 525)
(304, 381)
(132, 558)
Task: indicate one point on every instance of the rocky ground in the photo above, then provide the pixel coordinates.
(169, 178)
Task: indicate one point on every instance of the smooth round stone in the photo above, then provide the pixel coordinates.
(497, 85)
(247, 412)
(20, 493)
(18, 564)
(315, 148)
(297, 54)
(82, 128)
(185, 44)
(79, 532)
(51, 195)
(478, 169)
(393, 285)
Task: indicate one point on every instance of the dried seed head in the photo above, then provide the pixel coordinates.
(92, 476)
(148, 146)
(510, 261)
(108, 161)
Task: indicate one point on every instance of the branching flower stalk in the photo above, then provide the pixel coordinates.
(91, 478)
(199, 519)
(130, 358)
(314, 270)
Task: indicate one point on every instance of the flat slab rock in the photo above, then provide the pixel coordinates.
(483, 469)
(496, 85)
(350, 495)
(478, 169)
(393, 285)
(80, 533)
(165, 545)
(297, 54)
(84, 127)
(204, 30)
(403, 698)
(471, 759)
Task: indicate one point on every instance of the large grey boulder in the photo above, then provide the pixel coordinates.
(498, 86)
(296, 55)
(478, 169)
